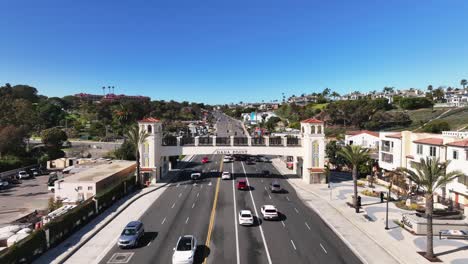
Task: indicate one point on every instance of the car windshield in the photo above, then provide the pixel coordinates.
(129, 232)
(270, 210)
(246, 215)
(276, 185)
(185, 244)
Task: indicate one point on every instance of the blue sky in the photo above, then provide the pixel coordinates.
(230, 51)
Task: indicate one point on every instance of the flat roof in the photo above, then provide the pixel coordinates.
(99, 172)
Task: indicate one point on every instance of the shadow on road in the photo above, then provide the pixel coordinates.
(147, 238)
(201, 254)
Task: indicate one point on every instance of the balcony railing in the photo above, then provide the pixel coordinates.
(187, 141)
(169, 141)
(258, 141)
(293, 141)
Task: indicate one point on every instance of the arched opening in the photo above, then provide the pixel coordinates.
(149, 129)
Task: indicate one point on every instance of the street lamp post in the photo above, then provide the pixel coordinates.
(388, 199)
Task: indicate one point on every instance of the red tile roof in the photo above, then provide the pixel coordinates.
(146, 169)
(312, 121)
(358, 132)
(149, 120)
(316, 170)
(410, 156)
(461, 143)
(430, 141)
(396, 135)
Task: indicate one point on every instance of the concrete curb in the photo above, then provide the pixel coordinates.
(86, 240)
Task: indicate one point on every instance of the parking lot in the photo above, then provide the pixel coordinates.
(18, 200)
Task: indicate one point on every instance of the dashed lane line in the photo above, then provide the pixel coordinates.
(186, 221)
(163, 221)
(193, 205)
(294, 246)
(173, 205)
(287, 198)
(296, 210)
(283, 224)
(307, 225)
(323, 248)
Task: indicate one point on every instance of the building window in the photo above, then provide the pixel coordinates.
(463, 180)
(315, 154)
(387, 157)
(432, 151)
(350, 142)
(90, 188)
(455, 154)
(80, 188)
(419, 149)
(387, 146)
(466, 154)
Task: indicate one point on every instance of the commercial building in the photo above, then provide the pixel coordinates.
(405, 149)
(93, 179)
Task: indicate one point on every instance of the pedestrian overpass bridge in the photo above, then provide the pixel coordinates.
(307, 149)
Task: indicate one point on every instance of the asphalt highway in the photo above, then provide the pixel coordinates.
(227, 126)
(186, 207)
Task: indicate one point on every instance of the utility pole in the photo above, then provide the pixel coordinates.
(388, 199)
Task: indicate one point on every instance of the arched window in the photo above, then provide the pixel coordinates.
(149, 129)
(319, 129)
(315, 154)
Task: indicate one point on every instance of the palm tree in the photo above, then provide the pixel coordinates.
(355, 155)
(463, 82)
(136, 138)
(430, 174)
(335, 95)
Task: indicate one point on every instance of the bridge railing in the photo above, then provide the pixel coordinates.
(205, 141)
(275, 141)
(223, 141)
(241, 141)
(169, 141)
(258, 141)
(187, 141)
(293, 141)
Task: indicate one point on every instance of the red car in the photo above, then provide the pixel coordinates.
(204, 160)
(242, 185)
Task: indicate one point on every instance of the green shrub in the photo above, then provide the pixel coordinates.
(26, 250)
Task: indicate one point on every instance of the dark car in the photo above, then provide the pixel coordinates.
(242, 185)
(266, 173)
(131, 234)
(250, 161)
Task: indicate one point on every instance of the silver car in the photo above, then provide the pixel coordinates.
(275, 187)
(131, 234)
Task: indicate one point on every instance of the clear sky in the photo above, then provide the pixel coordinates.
(229, 51)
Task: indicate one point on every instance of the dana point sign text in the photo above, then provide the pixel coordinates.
(230, 152)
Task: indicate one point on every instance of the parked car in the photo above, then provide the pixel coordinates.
(3, 184)
(14, 180)
(205, 160)
(185, 250)
(131, 234)
(275, 187)
(242, 185)
(226, 175)
(23, 175)
(245, 217)
(266, 172)
(269, 212)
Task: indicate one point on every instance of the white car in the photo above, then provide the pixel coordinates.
(23, 175)
(227, 159)
(185, 249)
(195, 176)
(269, 212)
(226, 175)
(245, 217)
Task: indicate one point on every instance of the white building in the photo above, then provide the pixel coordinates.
(91, 181)
(363, 138)
(405, 149)
(257, 117)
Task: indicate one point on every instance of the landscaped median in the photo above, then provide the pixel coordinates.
(58, 229)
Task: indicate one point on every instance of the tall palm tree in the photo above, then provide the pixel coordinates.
(355, 155)
(463, 82)
(136, 138)
(430, 174)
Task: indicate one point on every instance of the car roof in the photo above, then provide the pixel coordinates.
(225, 171)
(275, 182)
(243, 181)
(269, 207)
(133, 224)
(245, 212)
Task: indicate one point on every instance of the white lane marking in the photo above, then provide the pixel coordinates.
(256, 213)
(173, 205)
(307, 225)
(323, 248)
(180, 194)
(265, 188)
(235, 218)
(186, 221)
(178, 185)
(149, 243)
(262, 180)
(198, 194)
(185, 187)
(209, 184)
(283, 224)
(163, 221)
(287, 198)
(296, 210)
(194, 184)
(269, 196)
(193, 205)
(294, 246)
(201, 186)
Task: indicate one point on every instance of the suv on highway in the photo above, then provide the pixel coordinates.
(269, 212)
(185, 249)
(275, 187)
(226, 175)
(195, 175)
(131, 234)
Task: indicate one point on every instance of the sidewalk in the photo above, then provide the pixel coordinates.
(368, 238)
(93, 241)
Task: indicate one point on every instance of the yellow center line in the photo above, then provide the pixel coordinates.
(212, 217)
